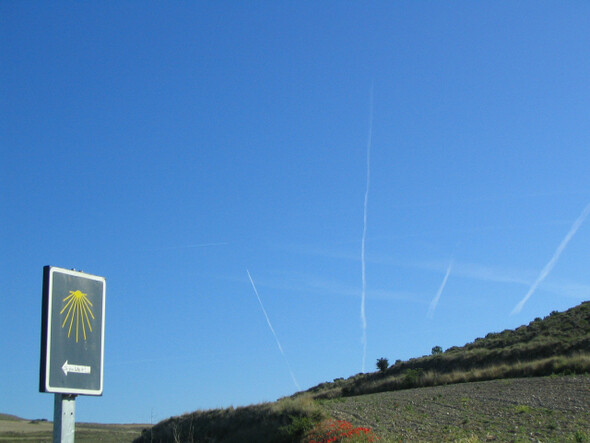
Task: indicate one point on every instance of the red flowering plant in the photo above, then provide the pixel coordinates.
(330, 431)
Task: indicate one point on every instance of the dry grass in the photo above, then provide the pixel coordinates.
(284, 421)
(557, 344)
(17, 429)
(578, 363)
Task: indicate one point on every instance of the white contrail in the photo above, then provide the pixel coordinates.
(435, 300)
(273, 332)
(549, 266)
(364, 238)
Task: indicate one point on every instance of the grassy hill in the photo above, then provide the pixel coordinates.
(557, 344)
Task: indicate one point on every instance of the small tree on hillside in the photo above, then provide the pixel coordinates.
(382, 364)
(437, 350)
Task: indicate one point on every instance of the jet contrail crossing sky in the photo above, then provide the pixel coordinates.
(435, 300)
(364, 238)
(273, 332)
(549, 266)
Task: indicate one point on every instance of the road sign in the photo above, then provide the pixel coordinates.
(72, 332)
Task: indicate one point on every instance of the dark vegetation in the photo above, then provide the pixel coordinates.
(382, 364)
(557, 344)
(286, 420)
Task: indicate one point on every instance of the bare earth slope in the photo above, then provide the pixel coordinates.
(529, 409)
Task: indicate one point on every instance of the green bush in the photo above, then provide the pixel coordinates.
(413, 376)
(382, 364)
(299, 426)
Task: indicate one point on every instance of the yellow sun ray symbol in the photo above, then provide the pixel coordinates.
(78, 307)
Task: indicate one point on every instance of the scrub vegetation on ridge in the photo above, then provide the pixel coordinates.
(556, 345)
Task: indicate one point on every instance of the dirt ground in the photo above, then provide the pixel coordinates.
(531, 409)
(13, 429)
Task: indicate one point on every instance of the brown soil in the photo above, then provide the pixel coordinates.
(530, 409)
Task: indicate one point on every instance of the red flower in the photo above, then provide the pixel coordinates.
(337, 431)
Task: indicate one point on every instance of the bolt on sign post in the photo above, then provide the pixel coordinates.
(72, 342)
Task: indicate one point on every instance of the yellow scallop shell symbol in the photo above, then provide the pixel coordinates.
(79, 308)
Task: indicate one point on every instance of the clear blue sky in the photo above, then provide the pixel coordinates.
(172, 147)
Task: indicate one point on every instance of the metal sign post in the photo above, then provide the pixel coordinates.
(64, 418)
(72, 342)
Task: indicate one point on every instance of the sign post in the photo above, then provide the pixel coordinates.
(64, 418)
(72, 342)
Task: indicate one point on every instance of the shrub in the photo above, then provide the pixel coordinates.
(413, 376)
(437, 350)
(298, 427)
(382, 364)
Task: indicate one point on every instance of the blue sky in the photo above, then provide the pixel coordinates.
(178, 149)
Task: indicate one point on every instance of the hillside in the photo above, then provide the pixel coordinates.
(491, 396)
(559, 343)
